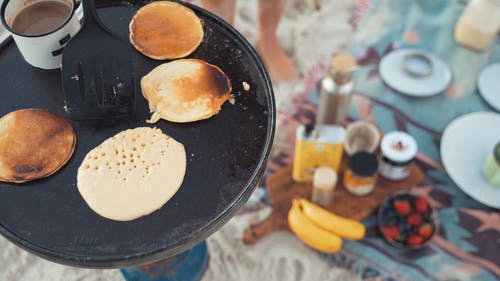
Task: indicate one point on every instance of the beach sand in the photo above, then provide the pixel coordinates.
(309, 36)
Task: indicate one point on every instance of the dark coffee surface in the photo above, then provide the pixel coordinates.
(40, 18)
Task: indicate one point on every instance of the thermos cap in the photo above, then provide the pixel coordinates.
(343, 64)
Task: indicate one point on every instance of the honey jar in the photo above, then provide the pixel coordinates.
(361, 175)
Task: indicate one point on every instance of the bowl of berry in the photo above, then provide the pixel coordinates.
(407, 220)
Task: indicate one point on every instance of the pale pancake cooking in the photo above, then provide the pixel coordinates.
(165, 30)
(132, 174)
(34, 143)
(185, 90)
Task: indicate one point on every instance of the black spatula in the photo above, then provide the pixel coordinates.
(97, 74)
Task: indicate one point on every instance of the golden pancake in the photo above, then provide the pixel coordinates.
(185, 90)
(34, 143)
(165, 30)
(132, 174)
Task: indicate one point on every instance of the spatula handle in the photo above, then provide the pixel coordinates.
(90, 13)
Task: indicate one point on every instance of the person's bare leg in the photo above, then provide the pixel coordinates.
(222, 8)
(278, 64)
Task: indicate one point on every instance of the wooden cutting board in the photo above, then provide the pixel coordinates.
(282, 189)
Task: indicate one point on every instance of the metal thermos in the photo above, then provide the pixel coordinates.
(335, 91)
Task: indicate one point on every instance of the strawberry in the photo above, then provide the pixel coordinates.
(415, 219)
(425, 230)
(401, 207)
(421, 204)
(414, 240)
(391, 231)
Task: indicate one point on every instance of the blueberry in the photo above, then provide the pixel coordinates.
(401, 225)
(414, 230)
(428, 216)
(392, 220)
(407, 197)
(401, 238)
(404, 228)
(387, 213)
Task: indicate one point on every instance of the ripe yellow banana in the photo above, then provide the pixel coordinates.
(310, 233)
(343, 227)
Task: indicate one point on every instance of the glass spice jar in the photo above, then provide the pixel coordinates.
(324, 181)
(361, 176)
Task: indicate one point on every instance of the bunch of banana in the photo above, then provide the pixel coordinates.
(319, 228)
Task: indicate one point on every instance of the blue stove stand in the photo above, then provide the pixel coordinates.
(187, 266)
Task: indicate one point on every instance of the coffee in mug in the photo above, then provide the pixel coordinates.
(41, 28)
(40, 18)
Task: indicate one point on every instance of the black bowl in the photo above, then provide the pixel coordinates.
(384, 217)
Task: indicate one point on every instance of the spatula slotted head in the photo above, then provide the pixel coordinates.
(97, 76)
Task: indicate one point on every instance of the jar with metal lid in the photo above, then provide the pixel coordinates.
(398, 149)
(361, 176)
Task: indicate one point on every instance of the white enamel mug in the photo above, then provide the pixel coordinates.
(45, 50)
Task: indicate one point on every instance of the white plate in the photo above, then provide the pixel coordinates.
(489, 86)
(466, 143)
(393, 75)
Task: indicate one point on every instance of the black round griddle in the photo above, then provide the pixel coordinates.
(226, 155)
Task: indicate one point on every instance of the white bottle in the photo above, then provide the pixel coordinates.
(478, 25)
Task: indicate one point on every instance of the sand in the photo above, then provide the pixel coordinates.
(309, 36)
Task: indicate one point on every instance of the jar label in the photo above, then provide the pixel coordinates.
(393, 172)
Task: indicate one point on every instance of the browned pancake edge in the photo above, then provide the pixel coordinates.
(208, 82)
(34, 143)
(165, 30)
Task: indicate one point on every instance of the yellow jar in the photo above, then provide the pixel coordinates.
(317, 146)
